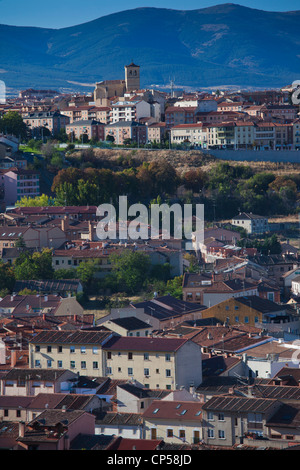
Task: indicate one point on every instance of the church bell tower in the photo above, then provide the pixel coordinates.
(132, 77)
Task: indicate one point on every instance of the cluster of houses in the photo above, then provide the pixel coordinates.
(218, 369)
(121, 111)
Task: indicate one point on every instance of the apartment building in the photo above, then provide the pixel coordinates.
(34, 237)
(129, 111)
(77, 213)
(78, 351)
(79, 113)
(86, 129)
(54, 121)
(264, 135)
(208, 292)
(123, 130)
(174, 422)
(18, 183)
(157, 132)
(252, 223)
(175, 115)
(250, 310)
(158, 363)
(228, 420)
(283, 136)
(30, 381)
(234, 134)
(231, 106)
(193, 134)
(284, 112)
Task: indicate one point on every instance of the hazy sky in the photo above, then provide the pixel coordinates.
(62, 13)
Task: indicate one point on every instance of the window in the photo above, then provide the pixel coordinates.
(37, 363)
(146, 356)
(72, 349)
(59, 349)
(83, 349)
(108, 355)
(210, 416)
(246, 320)
(237, 319)
(221, 417)
(49, 349)
(221, 434)
(95, 365)
(130, 371)
(72, 364)
(182, 434)
(49, 363)
(119, 369)
(168, 373)
(210, 433)
(95, 350)
(5, 412)
(168, 357)
(108, 370)
(170, 433)
(130, 355)
(83, 365)
(37, 348)
(146, 372)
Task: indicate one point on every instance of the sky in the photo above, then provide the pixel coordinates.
(63, 13)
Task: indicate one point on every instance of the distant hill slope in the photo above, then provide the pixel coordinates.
(222, 45)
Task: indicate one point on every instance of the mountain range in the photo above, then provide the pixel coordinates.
(223, 45)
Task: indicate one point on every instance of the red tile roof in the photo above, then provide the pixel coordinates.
(175, 410)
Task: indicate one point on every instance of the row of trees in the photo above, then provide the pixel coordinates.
(225, 189)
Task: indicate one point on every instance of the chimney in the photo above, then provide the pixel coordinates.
(13, 358)
(90, 231)
(21, 429)
(64, 224)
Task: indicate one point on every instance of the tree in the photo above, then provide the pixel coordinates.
(7, 277)
(12, 123)
(130, 270)
(34, 266)
(39, 201)
(86, 271)
(174, 287)
(195, 180)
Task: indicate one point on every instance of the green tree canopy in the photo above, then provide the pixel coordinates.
(130, 270)
(37, 265)
(12, 123)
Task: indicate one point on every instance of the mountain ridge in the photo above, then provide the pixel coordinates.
(223, 44)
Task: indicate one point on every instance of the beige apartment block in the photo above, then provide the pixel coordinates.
(78, 351)
(156, 363)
